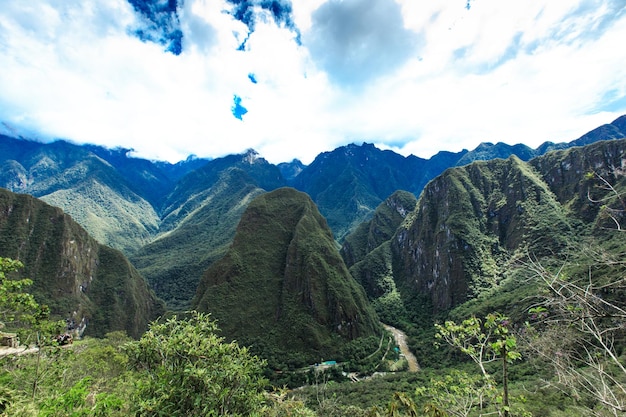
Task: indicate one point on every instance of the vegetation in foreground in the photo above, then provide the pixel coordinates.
(181, 366)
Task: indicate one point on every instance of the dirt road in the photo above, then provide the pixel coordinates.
(400, 337)
(4, 351)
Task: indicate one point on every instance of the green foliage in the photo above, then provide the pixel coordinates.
(17, 307)
(484, 342)
(293, 291)
(186, 369)
(457, 393)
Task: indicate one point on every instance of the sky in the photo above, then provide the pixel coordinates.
(294, 78)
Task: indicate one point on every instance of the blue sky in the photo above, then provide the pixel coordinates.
(295, 78)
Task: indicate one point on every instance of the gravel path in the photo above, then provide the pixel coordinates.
(4, 350)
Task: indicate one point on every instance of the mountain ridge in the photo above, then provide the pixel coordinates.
(174, 220)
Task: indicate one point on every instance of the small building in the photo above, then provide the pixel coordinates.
(9, 340)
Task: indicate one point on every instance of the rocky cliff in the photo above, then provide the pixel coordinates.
(471, 220)
(81, 280)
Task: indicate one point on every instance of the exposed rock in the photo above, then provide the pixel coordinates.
(81, 280)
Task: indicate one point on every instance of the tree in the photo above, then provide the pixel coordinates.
(458, 393)
(20, 311)
(17, 307)
(186, 369)
(484, 341)
(587, 316)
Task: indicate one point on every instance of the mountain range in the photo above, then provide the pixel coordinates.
(416, 234)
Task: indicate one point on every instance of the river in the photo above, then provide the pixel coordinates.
(400, 338)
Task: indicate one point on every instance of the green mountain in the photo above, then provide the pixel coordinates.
(472, 221)
(86, 186)
(114, 196)
(199, 222)
(81, 281)
(282, 285)
(371, 234)
(453, 246)
(349, 182)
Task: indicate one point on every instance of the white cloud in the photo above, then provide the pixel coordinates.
(431, 76)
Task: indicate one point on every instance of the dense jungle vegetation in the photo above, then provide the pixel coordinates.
(182, 366)
(524, 317)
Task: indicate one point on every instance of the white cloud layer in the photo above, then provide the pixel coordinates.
(416, 77)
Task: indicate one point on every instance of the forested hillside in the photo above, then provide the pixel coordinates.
(282, 286)
(93, 287)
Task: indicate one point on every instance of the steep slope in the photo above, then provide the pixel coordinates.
(191, 191)
(348, 183)
(87, 187)
(145, 178)
(467, 221)
(471, 220)
(282, 284)
(588, 180)
(199, 223)
(81, 280)
(370, 235)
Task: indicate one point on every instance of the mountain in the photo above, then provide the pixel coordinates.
(371, 234)
(86, 186)
(471, 221)
(114, 196)
(199, 222)
(487, 151)
(466, 222)
(291, 170)
(80, 280)
(282, 284)
(178, 170)
(349, 182)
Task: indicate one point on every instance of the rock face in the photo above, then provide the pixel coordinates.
(283, 281)
(467, 221)
(577, 176)
(471, 220)
(81, 280)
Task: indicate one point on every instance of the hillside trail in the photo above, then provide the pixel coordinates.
(5, 351)
(400, 338)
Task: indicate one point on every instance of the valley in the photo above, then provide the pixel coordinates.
(400, 338)
(478, 262)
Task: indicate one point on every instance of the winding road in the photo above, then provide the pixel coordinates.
(400, 338)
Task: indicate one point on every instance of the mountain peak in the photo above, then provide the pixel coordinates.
(251, 156)
(283, 280)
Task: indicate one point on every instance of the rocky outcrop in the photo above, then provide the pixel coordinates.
(466, 223)
(79, 279)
